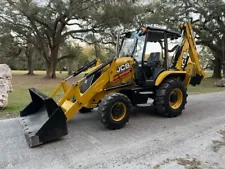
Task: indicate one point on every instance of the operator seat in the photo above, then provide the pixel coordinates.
(146, 75)
(153, 61)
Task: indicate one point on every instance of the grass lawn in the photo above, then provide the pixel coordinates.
(20, 96)
(21, 82)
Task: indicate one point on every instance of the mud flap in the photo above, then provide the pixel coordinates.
(42, 120)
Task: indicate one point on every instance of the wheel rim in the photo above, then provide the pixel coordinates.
(118, 111)
(176, 98)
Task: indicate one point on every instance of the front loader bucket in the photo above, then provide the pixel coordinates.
(42, 120)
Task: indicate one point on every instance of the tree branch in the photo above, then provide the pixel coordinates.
(77, 31)
(30, 17)
(71, 24)
(81, 39)
(63, 57)
(40, 39)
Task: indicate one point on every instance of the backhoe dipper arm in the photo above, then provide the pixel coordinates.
(192, 48)
(187, 53)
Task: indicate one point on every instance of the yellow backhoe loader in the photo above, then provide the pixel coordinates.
(118, 84)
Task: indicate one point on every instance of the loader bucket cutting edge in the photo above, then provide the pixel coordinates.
(42, 120)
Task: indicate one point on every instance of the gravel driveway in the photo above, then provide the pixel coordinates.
(194, 140)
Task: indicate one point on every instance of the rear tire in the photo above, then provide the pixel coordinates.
(171, 98)
(115, 110)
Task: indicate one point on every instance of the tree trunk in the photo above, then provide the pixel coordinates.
(54, 55)
(45, 54)
(217, 68)
(53, 68)
(48, 69)
(223, 54)
(30, 65)
(96, 50)
(69, 66)
(223, 69)
(29, 54)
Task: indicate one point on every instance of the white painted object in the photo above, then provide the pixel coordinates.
(5, 85)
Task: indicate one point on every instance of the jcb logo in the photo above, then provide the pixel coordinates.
(122, 67)
(184, 60)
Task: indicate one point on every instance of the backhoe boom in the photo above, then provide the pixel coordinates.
(187, 57)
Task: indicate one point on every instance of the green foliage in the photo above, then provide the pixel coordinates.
(206, 58)
(70, 50)
(208, 22)
(119, 13)
(49, 24)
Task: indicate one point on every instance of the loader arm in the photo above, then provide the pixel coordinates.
(44, 119)
(186, 58)
(70, 108)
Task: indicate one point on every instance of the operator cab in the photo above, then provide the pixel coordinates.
(149, 65)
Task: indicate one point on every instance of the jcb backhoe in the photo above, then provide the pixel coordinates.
(116, 85)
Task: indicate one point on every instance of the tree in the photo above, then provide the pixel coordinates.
(9, 48)
(206, 58)
(117, 17)
(208, 25)
(70, 51)
(30, 53)
(21, 35)
(51, 23)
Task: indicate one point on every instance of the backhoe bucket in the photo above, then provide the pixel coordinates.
(42, 120)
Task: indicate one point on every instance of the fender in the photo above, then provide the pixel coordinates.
(165, 74)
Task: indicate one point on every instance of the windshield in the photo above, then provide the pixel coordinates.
(133, 46)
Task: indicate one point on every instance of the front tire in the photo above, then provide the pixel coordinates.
(171, 98)
(115, 110)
